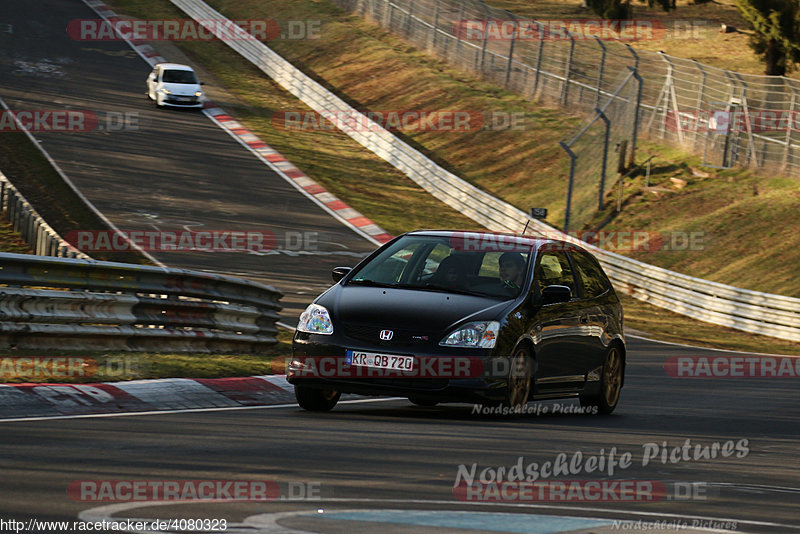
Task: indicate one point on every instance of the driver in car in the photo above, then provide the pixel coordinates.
(512, 270)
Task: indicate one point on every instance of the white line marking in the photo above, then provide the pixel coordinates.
(709, 348)
(185, 410)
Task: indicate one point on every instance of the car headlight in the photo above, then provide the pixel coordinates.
(166, 91)
(315, 320)
(198, 93)
(480, 334)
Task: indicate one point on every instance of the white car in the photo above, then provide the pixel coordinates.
(174, 85)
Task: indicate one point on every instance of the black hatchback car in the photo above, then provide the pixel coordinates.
(448, 316)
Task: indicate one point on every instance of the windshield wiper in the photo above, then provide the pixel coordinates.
(437, 287)
(370, 283)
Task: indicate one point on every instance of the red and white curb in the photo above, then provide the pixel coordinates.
(54, 400)
(268, 155)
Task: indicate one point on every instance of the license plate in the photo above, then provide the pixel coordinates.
(380, 361)
(184, 98)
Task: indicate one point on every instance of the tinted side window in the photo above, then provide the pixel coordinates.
(592, 278)
(553, 268)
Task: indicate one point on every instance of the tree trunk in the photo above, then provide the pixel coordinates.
(775, 58)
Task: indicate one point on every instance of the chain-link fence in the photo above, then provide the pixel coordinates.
(732, 119)
(596, 149)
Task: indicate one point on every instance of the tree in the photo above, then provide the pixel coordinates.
(777, 32)
(617, 9)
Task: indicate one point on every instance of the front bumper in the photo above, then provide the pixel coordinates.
(178, 101)
(441, 373)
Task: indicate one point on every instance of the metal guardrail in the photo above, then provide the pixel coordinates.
(742, 309)
(32, 227)
(60, 303)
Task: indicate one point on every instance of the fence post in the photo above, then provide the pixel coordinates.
(511, 47)
(638, 107)
(607, 122)
(600, 71)
(485, 37)
(572, 157)
(788, 138)
(751, 143)
(700, 97)
(540, 26)
(460, 30)
(568, 71)
(409, 18)
(669, 86)
(387, 19)
(435, 25)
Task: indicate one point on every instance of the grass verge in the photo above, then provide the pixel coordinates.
(102, 366)
(11, 241)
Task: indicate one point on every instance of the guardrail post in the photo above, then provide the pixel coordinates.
(600, 203)
(568, 70)
(573, 158)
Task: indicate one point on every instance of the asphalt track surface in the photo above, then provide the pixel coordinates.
(176, 170)
(367, 460)
(374, 457)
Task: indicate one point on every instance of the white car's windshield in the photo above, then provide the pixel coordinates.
(179, 76)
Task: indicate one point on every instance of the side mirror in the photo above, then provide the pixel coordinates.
(339, 272)
(555, 294)
(202, 83)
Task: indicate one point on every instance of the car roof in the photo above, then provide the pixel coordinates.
(175, 66)
(533, 241)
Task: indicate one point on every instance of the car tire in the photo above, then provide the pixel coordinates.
(427, 403)
(611, 378)
(520, 380)
(316, 400)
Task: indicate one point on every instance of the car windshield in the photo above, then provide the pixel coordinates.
(449, 264)
(179, 76)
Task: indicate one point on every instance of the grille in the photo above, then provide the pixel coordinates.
(371, 334)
